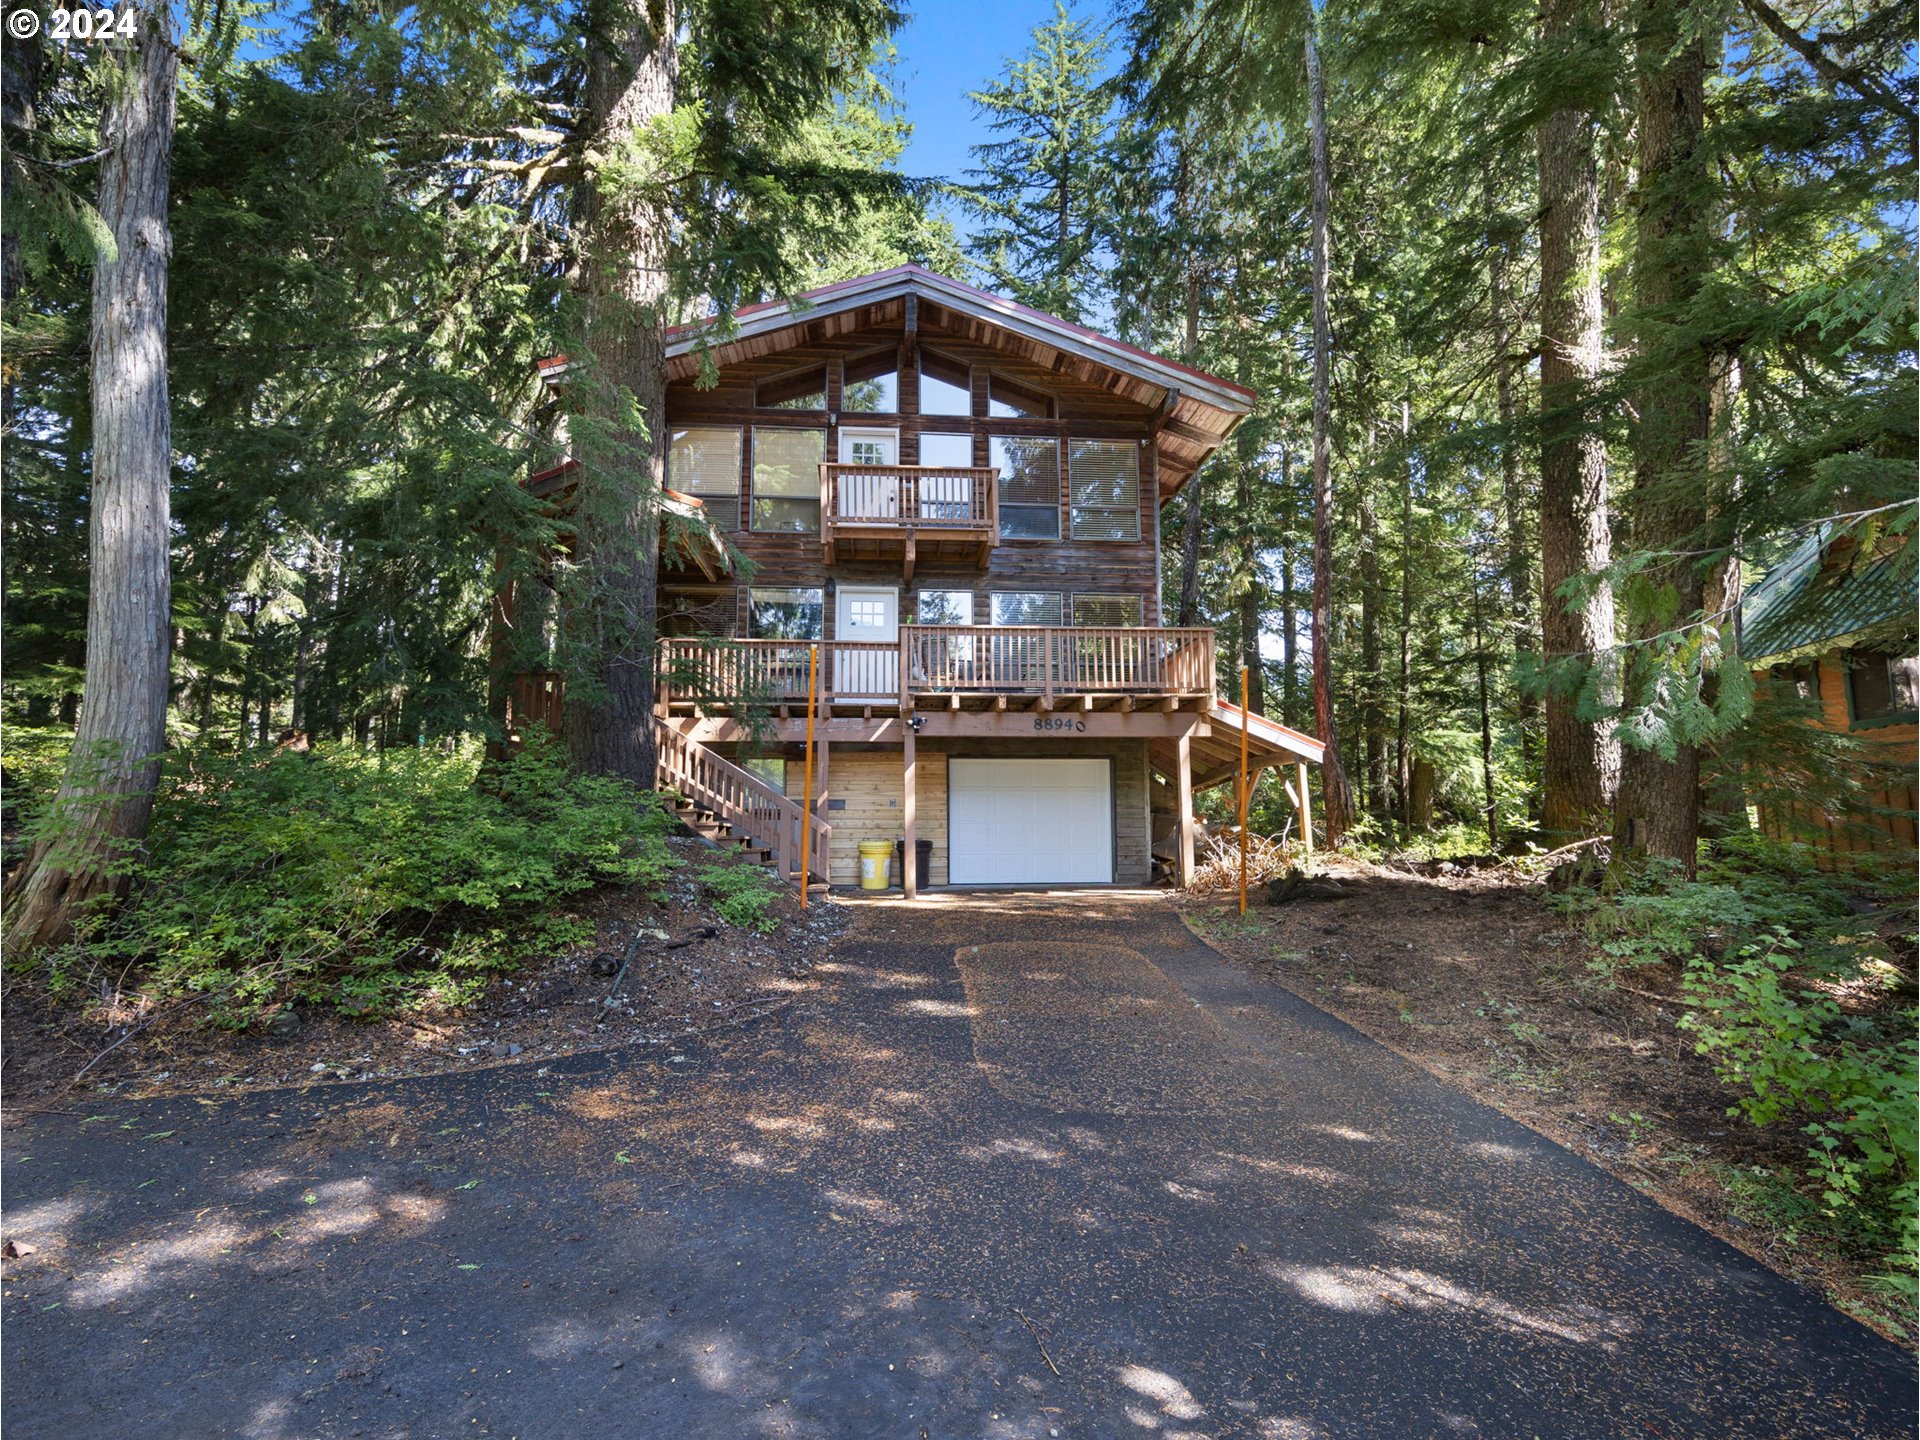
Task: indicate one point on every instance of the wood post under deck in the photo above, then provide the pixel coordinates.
(1183, 801)
(910, 850)
(1306, 808)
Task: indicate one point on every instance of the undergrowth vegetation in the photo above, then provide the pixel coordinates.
(363, 880)
(1799, 988)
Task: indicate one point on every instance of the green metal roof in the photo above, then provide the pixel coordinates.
(1800, 607)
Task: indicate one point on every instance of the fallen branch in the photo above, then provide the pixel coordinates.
(1038, 1343)
(150, 1021)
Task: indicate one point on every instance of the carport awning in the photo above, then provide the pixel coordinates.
(1216, 757)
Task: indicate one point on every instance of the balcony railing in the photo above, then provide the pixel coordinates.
(994, 661)
(918, 497)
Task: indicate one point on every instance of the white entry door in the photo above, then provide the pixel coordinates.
(875, 496)
(865, 616)
(1030, 822)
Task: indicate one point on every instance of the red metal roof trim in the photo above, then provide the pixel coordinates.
(999, 302)
(553, 472)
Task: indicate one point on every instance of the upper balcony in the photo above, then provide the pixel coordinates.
(898, 514)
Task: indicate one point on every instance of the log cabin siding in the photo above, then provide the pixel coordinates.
(1891, 749)
(1064, 566)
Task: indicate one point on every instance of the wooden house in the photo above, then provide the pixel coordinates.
(954, 501)
(1832, 630)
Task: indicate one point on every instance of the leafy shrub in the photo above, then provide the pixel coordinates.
(1768, 944)
(742, 894)
(1794, 1052)
(364, 880)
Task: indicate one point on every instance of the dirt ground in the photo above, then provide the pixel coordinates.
(690, 973)
(1467, 972)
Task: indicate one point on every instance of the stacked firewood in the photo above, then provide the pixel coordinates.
(1216, 860)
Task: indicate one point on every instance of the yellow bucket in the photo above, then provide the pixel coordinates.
(874, 858)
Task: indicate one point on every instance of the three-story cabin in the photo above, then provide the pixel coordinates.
(957, 500)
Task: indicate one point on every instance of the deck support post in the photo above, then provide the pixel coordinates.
(909, 794)
(822, 788)
(1306, 807)
(1183, 800)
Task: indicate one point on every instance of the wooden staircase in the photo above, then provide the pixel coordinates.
(721, 801)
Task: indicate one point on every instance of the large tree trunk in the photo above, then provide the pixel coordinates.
(1582, 761)
(1403, 737)
(106, 795)
(631, 78)
(1373, 720)
(1513, 495)
(1252, 606)
(1289, 615)
(1189, 613)
(1335, 796)
(1657, 810)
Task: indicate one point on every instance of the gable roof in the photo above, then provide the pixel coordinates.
(1822, 598)
(1194, 411)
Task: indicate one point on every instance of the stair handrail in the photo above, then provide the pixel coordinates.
(747, 804)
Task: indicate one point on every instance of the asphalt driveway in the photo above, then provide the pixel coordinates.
(1026, 1167)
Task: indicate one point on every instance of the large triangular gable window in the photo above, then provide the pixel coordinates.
(872, 384)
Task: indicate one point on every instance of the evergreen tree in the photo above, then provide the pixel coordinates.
(1042, 194)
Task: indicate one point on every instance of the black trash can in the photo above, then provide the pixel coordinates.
(923, 870)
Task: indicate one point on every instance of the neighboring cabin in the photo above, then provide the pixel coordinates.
(958, 499)
(1835, 629)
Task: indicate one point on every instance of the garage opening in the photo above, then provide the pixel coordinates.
(1030, 822)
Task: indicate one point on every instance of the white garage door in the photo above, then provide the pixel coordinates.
(1030, 822)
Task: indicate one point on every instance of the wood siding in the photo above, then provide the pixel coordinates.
(1891, 749)
(868, 784)
(1064, 566)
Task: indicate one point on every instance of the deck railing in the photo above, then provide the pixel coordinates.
(1048, 661)
(1058, 660)
(924, 497)
(774, 672)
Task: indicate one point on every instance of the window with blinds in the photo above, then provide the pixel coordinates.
(1103, 489)
(1029, 469)
(786, 480)
(1109, 610)
(1026, 607)
(705, 461)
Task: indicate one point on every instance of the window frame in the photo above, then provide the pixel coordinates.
(1893, 715)
(1015, 507)
(993, 608)
(943, 590)
(1049, 404)
(798, 373)
(819, 602)
(890, 358)
(1075, 509)
(965, 386)
(812, 498)
(674, 432)
(1139, 603)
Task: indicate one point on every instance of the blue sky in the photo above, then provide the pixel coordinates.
(946, 48)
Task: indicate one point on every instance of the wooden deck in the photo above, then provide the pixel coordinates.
(948, 667)
(908, 513)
